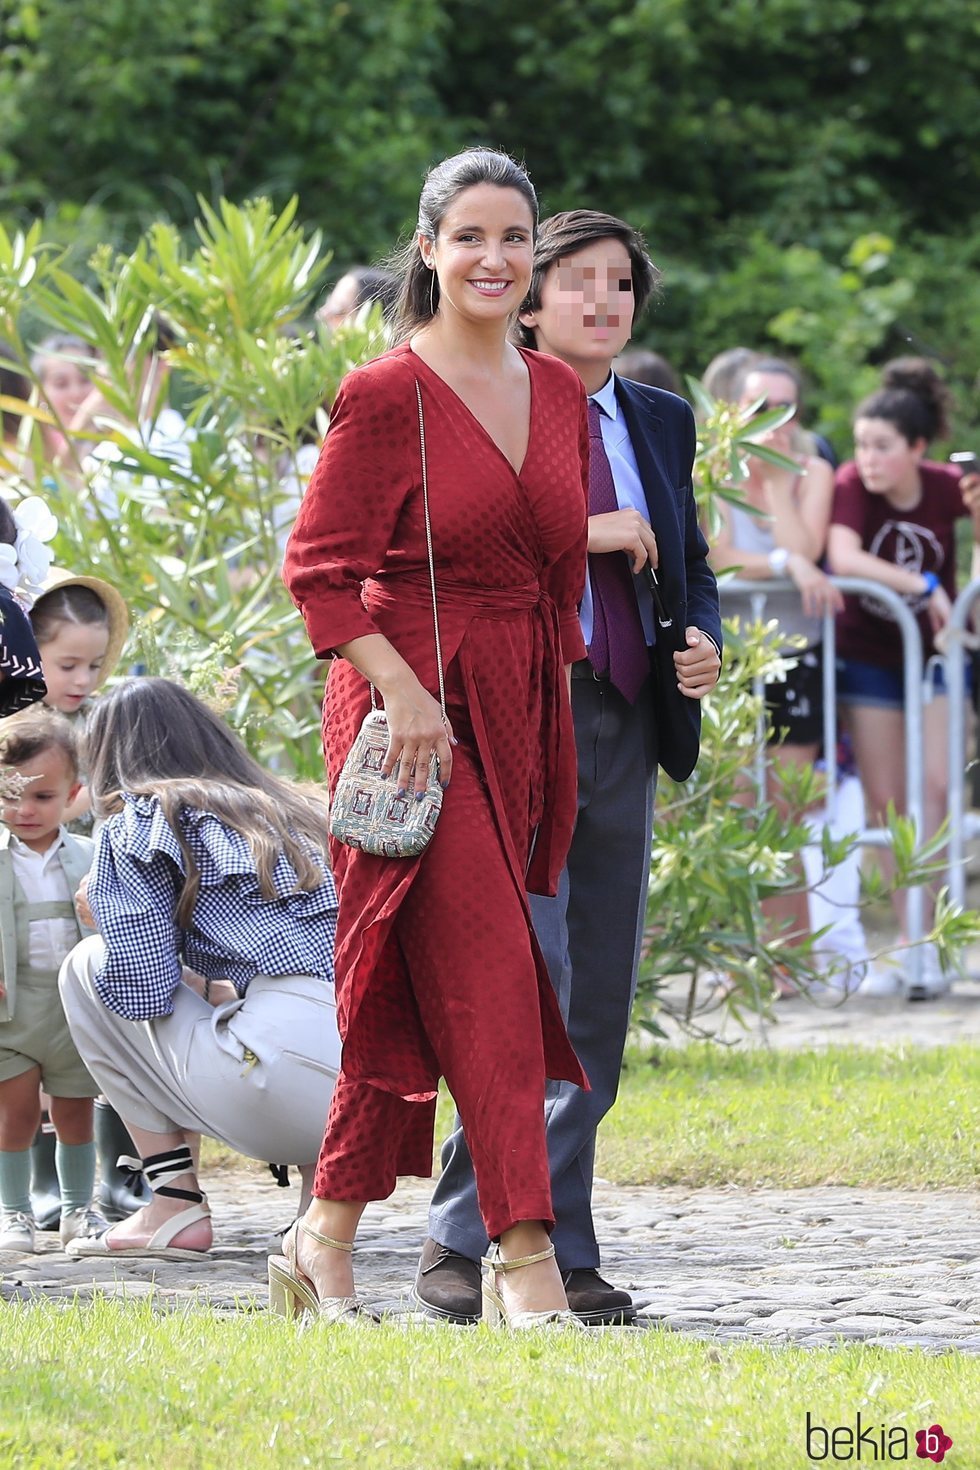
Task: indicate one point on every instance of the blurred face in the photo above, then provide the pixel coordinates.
(65, 387)
(72, 662)
(36, 817)
(341, 304)
(887, 463)
(586, 311)
(482, 254)
(777, 390)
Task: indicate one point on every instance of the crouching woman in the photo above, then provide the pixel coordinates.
(205, 1004)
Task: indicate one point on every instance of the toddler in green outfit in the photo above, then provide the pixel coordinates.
(41, 866)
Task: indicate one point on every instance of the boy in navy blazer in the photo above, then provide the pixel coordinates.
(652, 624)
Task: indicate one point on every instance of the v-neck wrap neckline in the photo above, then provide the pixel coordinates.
(517, 473)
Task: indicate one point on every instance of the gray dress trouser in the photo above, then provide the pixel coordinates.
(257, 1073)
(590, 935)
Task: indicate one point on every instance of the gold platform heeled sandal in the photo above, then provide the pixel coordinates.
(292, 1293)
(495, 1312)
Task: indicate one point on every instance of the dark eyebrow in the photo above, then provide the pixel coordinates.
(478, 229)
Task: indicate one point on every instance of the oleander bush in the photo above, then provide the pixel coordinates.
(192, 533)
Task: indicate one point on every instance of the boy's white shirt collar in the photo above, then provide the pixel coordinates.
(27, 854)
(606, 397)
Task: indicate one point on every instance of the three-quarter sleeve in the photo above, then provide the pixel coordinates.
(346, 524)
(566, 578)
(133, 896)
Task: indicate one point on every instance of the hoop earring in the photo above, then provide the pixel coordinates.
(432, 291)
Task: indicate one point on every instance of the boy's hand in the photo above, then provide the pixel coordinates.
(698, 665)
(624, 530)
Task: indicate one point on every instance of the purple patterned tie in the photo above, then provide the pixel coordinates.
(618, 650)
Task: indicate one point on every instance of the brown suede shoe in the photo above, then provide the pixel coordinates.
(595, 1302)
(447, 1285)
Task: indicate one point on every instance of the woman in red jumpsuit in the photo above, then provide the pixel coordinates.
(438, 971)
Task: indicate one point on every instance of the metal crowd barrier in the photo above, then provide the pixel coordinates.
(758, 594)
(962, 823)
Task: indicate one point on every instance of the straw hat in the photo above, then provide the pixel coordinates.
(114, 605)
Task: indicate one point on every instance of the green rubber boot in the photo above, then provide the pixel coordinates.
(120, 1194)
(45, 1190)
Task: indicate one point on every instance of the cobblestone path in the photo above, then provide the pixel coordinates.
(809, 1266)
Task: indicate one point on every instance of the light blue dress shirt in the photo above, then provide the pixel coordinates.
(629, 495)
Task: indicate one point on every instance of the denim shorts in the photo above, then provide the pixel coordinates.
(884, 688)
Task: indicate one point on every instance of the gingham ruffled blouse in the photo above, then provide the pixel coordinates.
(235, 933)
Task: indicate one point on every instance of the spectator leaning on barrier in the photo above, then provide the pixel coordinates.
(362, 285)
(725, 373)
(641, 365)
(893, 521)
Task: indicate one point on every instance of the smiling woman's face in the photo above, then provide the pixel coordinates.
(65, 387)
(482, 253)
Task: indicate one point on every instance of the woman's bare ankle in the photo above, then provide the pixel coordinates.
(537, 1287)
(329, 1268)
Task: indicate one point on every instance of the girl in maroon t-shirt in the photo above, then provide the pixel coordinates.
(893, 521)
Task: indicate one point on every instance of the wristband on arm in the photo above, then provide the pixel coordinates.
(931, 581)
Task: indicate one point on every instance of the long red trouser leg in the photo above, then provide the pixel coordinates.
(464, 935)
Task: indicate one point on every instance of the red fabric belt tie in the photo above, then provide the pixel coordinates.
(461, 602)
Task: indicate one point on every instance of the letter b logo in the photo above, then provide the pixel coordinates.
(816, 1448)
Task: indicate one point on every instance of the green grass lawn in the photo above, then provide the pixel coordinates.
(111, 1385)
(705, 1116)
(114, 1386)
(872, 1117)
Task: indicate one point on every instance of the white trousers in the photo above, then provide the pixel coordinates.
(836, 899)
(257, 1073)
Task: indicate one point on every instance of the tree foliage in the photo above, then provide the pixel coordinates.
(808, 175)
(141, 106)
(699, 117)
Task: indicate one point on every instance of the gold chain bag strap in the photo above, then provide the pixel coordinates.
(366, 811)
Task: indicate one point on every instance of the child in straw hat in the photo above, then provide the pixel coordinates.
(80, 624)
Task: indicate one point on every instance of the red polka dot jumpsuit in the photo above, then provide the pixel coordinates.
(438, 971)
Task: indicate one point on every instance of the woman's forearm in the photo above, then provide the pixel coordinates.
(865, 564)
(381, 664)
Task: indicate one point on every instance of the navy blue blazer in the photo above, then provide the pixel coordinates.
(664, 439)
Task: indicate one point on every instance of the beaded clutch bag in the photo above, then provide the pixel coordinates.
(366, 811)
